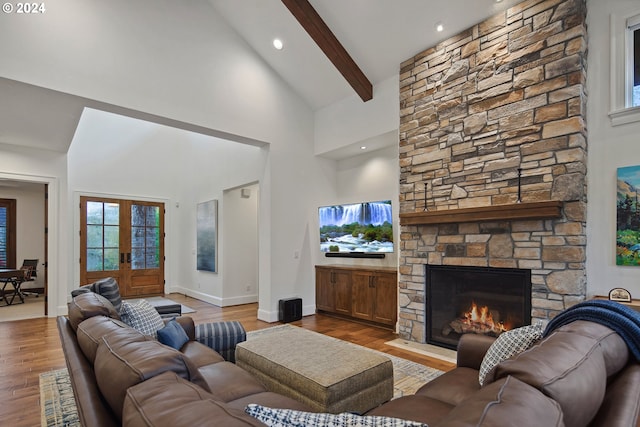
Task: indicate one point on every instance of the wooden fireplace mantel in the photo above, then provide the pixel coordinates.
(528, 210)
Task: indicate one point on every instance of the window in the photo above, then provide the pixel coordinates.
(625, 68)
(633, 61)
(7, 233)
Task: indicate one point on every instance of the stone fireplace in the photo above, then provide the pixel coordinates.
(493, 156)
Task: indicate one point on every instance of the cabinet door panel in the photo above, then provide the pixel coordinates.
(386, 296)
(325, 291)
(342, 285)
(362, 292)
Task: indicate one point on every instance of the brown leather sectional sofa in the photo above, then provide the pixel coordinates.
(581, 375)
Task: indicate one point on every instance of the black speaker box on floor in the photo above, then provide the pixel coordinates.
(290, 310)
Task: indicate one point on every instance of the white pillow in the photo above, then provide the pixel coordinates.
(142, 316)
(508, 344)
(290, 418)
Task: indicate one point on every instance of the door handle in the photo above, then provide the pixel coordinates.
(121, 257)
(128, 257)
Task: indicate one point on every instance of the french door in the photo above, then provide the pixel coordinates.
(123, 239)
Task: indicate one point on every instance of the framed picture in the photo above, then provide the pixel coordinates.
(207, 236)
(620, 295)
(628, 216)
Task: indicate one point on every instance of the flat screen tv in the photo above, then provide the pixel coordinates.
(356, 228)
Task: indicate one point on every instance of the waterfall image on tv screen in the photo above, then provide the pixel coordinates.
(357, 227)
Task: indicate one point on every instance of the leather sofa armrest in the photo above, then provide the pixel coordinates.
(471, 350)
(188, 325)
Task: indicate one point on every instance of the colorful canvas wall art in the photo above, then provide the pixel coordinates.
(628, 216)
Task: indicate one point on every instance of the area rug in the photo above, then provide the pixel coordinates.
(165, 301)
(57, 404)
(408, 376)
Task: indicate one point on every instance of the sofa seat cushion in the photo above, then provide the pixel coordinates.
(200, 355)
(620, 406)
(452, 387)
(568, 368)
(91, 331)
(414, 407)
(508, 402)
(123, 360)
(228, 382)
(168, 400)
(270, 399)
(89, 305)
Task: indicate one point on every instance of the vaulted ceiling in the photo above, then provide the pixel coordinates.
(377, 34)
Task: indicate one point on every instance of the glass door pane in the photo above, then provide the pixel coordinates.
(103, 236)
(145, 237)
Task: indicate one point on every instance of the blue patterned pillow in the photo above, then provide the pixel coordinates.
(290, 418)
(142, 316)
(173, 335)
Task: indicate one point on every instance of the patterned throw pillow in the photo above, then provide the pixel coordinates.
(107, 287)
(509, 344)
(290, 418)
(142, 316)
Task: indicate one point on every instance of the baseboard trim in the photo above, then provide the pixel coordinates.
(217, 301)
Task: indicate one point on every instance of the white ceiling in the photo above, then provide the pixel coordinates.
(378, 34)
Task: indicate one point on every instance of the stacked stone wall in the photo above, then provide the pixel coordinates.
(495, 112)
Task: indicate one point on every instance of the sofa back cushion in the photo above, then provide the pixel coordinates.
(123, 360)
(567, 367)
(88, 305)
(614, 350)
(508, 401)
(90, 332)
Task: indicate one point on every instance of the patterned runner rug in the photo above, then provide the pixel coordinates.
(58, 406)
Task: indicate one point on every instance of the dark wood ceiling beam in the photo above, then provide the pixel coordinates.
(314, 25)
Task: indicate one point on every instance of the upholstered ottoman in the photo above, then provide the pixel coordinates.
(325, 373)
(222, 337)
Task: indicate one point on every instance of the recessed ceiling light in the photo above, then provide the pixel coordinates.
(439, 27)
(277, 43)
(363, 148)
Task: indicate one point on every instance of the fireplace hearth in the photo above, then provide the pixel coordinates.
(479, 300)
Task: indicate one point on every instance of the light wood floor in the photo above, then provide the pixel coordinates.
(30, 347)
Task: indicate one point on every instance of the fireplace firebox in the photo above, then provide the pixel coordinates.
(478, 300)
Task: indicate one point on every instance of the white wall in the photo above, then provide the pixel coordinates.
(349, 121)
(609, 148)
(239, 231)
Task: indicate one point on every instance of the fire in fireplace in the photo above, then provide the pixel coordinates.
(479, 300)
